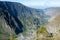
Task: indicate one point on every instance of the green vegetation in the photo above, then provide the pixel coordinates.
(13, 37)
(42, 30)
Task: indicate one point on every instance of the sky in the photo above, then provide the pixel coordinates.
(38, 3)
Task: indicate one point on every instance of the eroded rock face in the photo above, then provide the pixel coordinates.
(23, 21)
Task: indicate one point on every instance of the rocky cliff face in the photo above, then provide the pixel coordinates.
(21, 19)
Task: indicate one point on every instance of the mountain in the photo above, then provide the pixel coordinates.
(53, 25)
(21, 19)
(52, 11)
